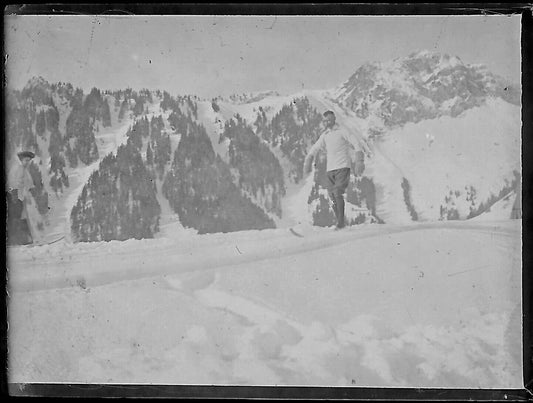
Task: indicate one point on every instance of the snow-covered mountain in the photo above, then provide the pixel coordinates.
(427, 121)
(424, 85)
(251, 97)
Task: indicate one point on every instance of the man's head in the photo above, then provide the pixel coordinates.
(25, 158)
(329, 119)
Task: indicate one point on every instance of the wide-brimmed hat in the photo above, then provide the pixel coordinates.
(24, 154)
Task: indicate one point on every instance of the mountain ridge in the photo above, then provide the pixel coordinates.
(423, 85)
(400, 95)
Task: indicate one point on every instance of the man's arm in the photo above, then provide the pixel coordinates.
(312, 153)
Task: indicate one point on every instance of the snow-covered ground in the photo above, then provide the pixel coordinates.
(428, 305)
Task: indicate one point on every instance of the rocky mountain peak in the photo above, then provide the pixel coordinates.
(422, 85)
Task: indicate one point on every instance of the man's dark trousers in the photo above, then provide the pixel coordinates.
(337, 181)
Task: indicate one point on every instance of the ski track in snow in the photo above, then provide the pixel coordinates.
(64, 265)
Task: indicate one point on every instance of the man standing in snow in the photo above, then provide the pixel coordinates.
(19, 184)
(337, 142)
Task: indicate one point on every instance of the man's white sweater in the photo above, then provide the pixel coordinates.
(338, 142)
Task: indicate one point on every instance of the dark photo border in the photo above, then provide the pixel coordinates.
(314, 393)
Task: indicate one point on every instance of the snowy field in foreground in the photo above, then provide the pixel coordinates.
(427, 305)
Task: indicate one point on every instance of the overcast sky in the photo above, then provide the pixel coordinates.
(208, 56)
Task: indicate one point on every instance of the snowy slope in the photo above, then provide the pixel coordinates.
(169, 222)
(271, 104)
(479, 148)
(107, 140)
(214, 121)
(294, 204)
(371, 306)
(501, 210)
(435, 156)
(214, 125)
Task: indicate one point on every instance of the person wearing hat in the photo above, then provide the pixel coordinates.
(338, 143)
(19, 184)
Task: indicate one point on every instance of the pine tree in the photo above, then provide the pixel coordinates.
(77, 99)
(123, 109)
(138, 109)
(56, 148)
(57, 173)
(200, 188)
(52, 118)
(135, 136)
(156, 126)
(119, 200)
(92, 104)
(40, 124)
(149, 155)
(38, 192)
(80, 128)
(72, 157)
(106, 114)
(19, 127)
(258, 168)
(323, 215)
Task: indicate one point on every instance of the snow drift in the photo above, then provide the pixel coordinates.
(371, 306)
